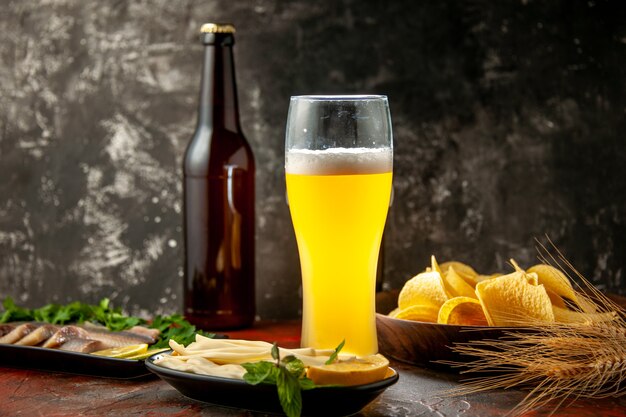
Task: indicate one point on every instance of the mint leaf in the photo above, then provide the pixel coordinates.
(333, 356)
(289, 393)
(287, 374)
(276, 353)
(296, 368)
(306, 383)
(258, 372)
(294, 365)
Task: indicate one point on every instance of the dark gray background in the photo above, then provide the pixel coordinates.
(509, 121)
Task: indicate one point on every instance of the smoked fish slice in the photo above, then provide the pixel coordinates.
(82, 345)
(6, 328)
(18, 333)
(149, 332)
(39, 335)
(118, 339)
(64, 334)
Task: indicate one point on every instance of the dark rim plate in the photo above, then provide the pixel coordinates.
(324, 401)
(54, 360)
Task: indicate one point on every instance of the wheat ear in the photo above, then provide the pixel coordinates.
(557, 362)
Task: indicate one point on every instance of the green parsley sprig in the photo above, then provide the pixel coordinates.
(176, 328)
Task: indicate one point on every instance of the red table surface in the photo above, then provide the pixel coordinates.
(36, 393)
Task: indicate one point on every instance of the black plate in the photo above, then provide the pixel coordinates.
(55, 360)
(323, 401)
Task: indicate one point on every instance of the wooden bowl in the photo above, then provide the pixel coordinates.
(420, 343)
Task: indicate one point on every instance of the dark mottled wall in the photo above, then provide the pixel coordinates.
(509, 121)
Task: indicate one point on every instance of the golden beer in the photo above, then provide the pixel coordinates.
(338, 200)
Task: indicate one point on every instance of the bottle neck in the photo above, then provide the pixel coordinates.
(218, 94)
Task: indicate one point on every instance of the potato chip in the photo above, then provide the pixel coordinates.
(532, 278)
(425, 288)
(426, 313)
(464, 311)
(555, 299)
(481, 278)
(586, 304)
(462, 296)
(554, 280)
(510, 300)
(456, 286)
(563, 315)
(464, 271)
(434, 266)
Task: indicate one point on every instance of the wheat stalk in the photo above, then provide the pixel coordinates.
(557, 362)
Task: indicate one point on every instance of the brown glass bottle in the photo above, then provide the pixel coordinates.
(218, 190)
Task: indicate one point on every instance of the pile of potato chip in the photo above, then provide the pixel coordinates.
(454, 293)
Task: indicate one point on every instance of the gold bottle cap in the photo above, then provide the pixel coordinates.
(217, 28)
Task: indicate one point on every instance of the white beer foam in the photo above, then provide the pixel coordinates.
(339, 161)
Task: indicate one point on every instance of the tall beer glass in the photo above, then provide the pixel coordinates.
(338, 163)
